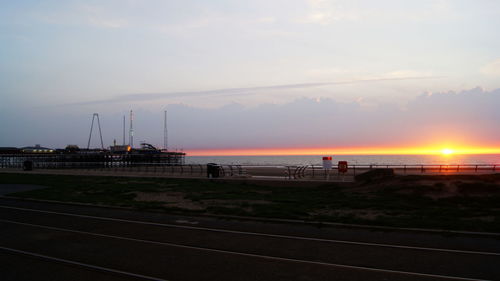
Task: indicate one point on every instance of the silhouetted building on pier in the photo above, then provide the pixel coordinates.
(74, 157)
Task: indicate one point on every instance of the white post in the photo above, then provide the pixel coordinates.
(327, 166)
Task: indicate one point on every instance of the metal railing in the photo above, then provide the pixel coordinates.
(263, 171)
(196, 170)
(317, 171)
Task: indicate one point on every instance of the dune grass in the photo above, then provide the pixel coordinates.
(443, 202)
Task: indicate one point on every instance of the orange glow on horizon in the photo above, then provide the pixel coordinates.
(344, 151)
(447, 151)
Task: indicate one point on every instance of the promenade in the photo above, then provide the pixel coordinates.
(264, 172)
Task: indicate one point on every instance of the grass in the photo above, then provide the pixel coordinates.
(444, 202)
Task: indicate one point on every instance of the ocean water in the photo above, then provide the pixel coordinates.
(352, 159)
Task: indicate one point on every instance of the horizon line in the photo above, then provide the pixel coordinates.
(434, 150)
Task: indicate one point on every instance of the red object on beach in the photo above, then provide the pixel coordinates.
(327, 158)
(342, 166)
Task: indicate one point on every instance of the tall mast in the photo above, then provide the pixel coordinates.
(165, 133)
(131, 130)
(123, 129)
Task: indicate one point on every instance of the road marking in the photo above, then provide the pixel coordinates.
(82, 264)
(274, 220)
(259, 234)
(186, 222)
(245, 254)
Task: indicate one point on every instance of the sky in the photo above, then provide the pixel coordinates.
(253, 77)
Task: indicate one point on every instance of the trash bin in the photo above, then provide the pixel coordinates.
(213, 170)
(28, 165)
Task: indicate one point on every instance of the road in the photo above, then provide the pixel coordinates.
(51, 241)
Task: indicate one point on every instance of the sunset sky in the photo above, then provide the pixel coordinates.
(254, 77)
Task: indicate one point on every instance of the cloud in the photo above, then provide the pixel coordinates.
(99, 16)
(492, 68)
(448, 118)
(326, 12)
(83, 14)
(241, 91)
(359, 74)
(266, 20)
(453, 117)
(107, 23)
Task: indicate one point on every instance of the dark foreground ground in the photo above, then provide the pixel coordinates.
(453, 202)
(52, 241)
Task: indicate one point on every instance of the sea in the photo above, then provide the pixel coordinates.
(454, 159)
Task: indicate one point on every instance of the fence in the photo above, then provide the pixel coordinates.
(317, 172)
(118, 168)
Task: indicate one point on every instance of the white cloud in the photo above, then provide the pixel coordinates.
(326, 12)
(266, 20)
(404, 74)
(90, 15)
(358, 74)
(107, 23)
(492, 68)
(100, 17)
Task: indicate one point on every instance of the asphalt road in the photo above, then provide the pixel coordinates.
(49, 241)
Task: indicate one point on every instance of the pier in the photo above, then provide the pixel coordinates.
(90, 160)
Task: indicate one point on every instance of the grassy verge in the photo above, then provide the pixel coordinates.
(444, 202)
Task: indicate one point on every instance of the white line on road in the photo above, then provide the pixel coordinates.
(246, 254)
(259, 234)
(82, 264)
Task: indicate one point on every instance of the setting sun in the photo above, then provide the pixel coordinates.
(447, 151)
